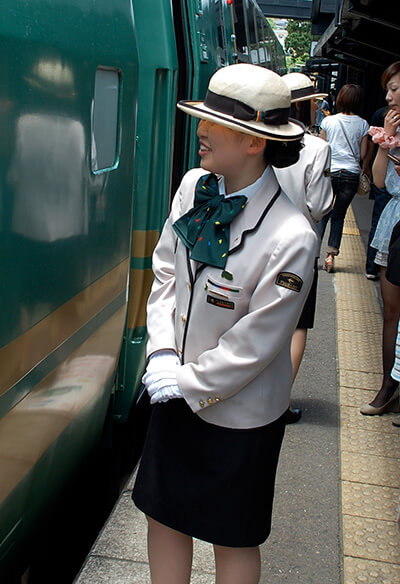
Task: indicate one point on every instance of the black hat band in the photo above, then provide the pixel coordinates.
(241, 111)
(303, 92)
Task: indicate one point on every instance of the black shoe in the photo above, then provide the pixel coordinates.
(291, 416)
(373, 277)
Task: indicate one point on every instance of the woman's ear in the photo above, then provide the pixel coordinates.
(256, 145)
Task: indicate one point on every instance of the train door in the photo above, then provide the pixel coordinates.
(241, 30)
(202, 49)
(156, 108)
(222, 48)
(261, 35)
(269, 47)
(252, 32)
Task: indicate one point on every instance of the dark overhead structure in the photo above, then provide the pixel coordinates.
(322, 13)
(362, 37)
(360, 31)
(296, 9)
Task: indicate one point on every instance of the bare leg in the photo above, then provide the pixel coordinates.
(237, 565)
(391, 313)
(297, 348)
(329, 262)
(170, 554)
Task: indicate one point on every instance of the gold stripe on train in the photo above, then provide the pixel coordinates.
(144, 242)
(21, 355)
(68, 394)
(141, 280)
(139, 289)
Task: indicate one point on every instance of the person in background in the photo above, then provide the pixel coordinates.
(386, 174)
(393, 276)
(380, 196)
(307, 183)
(331, 102)
(321, 112)
(395, 374)
(232, 270)
(347, 134)
(396, 377)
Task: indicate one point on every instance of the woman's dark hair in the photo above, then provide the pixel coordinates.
(349, 99)
(301, 111)
(282, 154)
(393, 69)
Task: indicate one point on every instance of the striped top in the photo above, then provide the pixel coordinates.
(396, 367)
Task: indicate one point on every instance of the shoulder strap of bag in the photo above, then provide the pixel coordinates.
(348, 142)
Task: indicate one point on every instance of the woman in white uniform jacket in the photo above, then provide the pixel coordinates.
(307, 183)
(234, 333)
(220, 323)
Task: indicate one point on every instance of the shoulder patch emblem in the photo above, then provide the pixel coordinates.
(290, 281)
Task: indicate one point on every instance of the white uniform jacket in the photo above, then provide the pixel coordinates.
(307, 183)
(232, 328)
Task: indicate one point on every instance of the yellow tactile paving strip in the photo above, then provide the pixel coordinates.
(370, 446)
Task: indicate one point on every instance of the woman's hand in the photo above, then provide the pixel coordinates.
(392, 120)
(163, 390)
(160, 376)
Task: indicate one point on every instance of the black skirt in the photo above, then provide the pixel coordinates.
(213, 483)
(306, 320)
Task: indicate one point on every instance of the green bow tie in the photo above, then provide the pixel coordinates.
(205, 228)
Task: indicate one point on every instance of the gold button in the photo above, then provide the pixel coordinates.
(210, 400)
(201, 403)
(183, 317)
(189, 286)
(180, 351)
(217, 399)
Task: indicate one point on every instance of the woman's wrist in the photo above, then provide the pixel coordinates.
(383, 139)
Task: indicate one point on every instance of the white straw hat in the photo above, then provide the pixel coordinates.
(302, 87)
(249, 99)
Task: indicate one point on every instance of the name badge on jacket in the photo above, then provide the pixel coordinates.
(220, 302)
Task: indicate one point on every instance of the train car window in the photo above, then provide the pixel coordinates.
(201, 22)
(105, 107)
(240, 22)
(268, 43)
(253, 36)
(274, 52)
(221, 49)
(260, 35)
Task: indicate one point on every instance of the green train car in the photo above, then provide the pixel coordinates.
(91, 148)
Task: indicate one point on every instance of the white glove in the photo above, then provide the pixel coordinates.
(164, 394)
(164, 360)
(160, 376)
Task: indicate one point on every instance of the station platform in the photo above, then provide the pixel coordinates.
(336, 504)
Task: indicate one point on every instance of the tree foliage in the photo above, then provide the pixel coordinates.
(298, 40)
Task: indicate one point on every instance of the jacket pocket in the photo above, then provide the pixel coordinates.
(223, 289)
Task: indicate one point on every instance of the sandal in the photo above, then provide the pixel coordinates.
(328, 266)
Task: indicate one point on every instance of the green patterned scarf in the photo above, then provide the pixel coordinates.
(205, 228)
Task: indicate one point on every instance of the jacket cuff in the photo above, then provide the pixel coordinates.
(197, 398)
